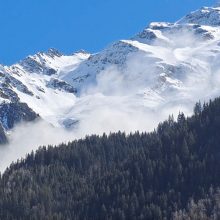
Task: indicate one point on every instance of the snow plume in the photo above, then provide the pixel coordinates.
(160, 79)
(168, 76)
(26, 137)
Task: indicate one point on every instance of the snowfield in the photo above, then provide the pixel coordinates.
(131, 85)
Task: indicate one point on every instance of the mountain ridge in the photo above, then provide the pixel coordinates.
(152, 71)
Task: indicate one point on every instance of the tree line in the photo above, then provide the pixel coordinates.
(165, 174)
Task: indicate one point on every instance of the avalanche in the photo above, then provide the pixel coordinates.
(131, 85)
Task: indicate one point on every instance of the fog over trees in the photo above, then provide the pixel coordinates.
(171, 173)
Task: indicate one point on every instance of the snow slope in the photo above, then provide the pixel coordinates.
(164, 69)
(38, 82)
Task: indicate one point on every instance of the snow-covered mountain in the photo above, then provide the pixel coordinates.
(163, 69)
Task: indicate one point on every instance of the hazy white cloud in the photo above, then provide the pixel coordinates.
(26, 137)
(138, 97)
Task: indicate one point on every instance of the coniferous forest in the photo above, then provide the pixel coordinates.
(171, 173)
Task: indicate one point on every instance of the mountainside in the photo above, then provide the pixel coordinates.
(136, 176)
(163, 69)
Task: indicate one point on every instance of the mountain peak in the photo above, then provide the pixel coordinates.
(81, 51)
(54, 52)
(209, 16)
(41, 62)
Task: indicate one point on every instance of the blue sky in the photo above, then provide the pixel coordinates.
(29, 26)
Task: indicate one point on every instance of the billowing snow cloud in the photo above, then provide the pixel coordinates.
(178, 68)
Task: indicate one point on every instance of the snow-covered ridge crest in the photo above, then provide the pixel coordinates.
(37, 81)
(205, 16)
(130, 85)
(50, 62)
(156, 68)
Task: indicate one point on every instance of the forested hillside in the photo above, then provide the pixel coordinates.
(122, 176)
